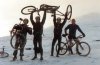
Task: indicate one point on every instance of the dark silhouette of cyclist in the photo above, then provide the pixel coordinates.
(73, 27)
(21, 31)
(57, 32)
(38, 31)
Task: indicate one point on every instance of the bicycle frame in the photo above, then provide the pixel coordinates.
(82, 48)
(77, 38)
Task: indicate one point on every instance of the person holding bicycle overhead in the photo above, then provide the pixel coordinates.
(73, 27)
(38, 31)
(21, 31)
(57, 32)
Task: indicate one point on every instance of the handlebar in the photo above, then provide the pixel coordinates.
(80, 36)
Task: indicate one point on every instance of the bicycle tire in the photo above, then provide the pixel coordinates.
(12, 43)
(69, 12)
(27, 8)
(4, 55)
(63, 48)
(84, 49)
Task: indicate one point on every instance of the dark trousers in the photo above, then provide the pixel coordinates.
(37, 41)
(53, 44)
(20, 43)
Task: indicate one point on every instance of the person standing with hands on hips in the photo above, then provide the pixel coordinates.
(73, 27)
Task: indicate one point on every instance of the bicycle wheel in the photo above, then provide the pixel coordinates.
(13, 41)
(69, 12)
(28, 9)
(84, 49)
(63, 48)
(4, 54)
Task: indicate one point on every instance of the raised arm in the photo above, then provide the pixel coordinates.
(44, 17)
(65, 19)
(31, 18)
(54, 18)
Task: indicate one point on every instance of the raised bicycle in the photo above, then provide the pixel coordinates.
(3, 54)
(83, 47)
(28, 9)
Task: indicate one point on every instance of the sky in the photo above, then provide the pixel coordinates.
(10, 10)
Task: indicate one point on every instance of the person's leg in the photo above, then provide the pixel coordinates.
(40, 47)
(21, 53)
(22, 45)
(53, 44)
(15, 51)
(77, 43)
(70, 45)
(59, 43)
(35, 47)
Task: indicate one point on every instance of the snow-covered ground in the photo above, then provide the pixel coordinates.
(90, 27)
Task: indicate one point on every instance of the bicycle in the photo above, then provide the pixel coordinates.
(3, 54)
(83, 47)
(17, 39)
(28, 9)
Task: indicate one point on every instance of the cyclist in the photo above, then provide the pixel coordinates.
(21, 31)
(38, 31)
(72, 33)
(57, 31)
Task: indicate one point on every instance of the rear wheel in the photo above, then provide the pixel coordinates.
(28, 9)
(63, 48)
(84, 49)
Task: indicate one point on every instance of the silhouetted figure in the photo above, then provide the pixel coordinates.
(38, 31)
(57, 32)
(73, 27)
(21, 32)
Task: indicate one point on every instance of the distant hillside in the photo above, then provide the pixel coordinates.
(92, 18)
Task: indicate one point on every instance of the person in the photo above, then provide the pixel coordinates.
(21, 32)
(38, 31)
(57, 32)
(73, 27)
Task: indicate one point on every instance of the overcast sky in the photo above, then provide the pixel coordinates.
(10, 10)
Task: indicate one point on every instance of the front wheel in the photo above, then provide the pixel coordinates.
(63, 48)
(4, 54)
(13, 41)
(84, 49)
(69, 12)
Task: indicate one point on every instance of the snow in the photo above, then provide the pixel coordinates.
(92, 34)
